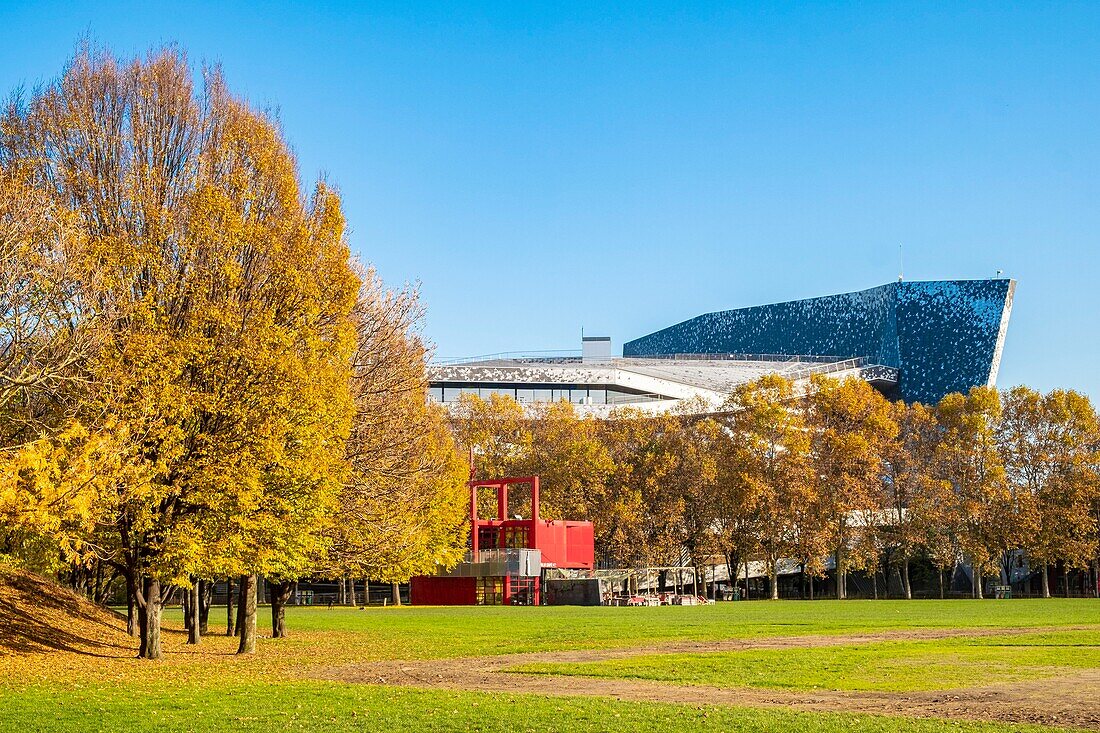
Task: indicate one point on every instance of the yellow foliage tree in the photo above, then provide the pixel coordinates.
(773, 461)
(219, 304)
(1048, 443)
(850, 425)
(402, 507)
(970, 461)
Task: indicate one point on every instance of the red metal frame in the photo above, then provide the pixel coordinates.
(562, 544)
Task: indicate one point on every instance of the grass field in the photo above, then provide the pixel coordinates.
(91, 682)
(417, 633)
(310, 706)
(941, 664)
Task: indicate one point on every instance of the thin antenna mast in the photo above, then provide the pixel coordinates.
(901, 262)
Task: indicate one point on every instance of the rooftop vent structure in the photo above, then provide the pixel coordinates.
(595, 349)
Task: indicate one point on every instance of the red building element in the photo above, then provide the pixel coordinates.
(507, 555)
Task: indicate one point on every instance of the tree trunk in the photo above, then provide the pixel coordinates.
(939, 571)
(1006, 567)
(811, 587)
(841, 580)
(241, 593)
(733, 571)
(230, 617)
(185, 608)
(977, 577)
(1046, 581)
(280, 594)
(131, 606)
(150, 626)
(143, 627)
(396, 594)
(1065, 579)
(874, 582)
(206, 592)
(248, 622)
(773, 580)
(193, 602)
(905, 579)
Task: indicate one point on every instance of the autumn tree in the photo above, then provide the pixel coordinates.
(494, 432)
(550, 440)
(850, 427)
(402, 507)
(47, 457)
(737, 503)
(567, 454)
(1048, 445)
(772, 458)
(641, 522)
(214, 300)
(277, 529)
(697, 444)
(913, 498)
(969, 460)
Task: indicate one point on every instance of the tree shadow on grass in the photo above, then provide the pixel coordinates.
(37, 615)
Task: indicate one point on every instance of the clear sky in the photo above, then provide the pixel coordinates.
(540, 168)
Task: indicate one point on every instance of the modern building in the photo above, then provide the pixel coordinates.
(916, 341)
(508, 554)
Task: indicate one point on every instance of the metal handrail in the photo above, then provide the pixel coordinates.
(563, 354)
(727, 356)
(554, 354)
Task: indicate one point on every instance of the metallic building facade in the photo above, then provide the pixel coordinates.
(943, 336)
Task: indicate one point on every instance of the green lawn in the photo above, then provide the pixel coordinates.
(356, 708)
(209, 689)
(885, 666)
(424, 633)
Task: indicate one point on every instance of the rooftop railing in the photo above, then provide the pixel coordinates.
(573, 355)
(726, 356)
(561, 355)
(496, 563)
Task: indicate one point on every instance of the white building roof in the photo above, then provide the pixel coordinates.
(658, 383)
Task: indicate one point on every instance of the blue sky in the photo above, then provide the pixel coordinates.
(540, 168)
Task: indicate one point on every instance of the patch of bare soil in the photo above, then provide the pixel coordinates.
(1071, 700)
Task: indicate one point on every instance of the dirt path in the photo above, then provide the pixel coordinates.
(1071, 700)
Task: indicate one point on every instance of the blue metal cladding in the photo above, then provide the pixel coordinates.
(943, 336)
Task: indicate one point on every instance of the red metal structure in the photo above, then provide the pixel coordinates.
(507, 555)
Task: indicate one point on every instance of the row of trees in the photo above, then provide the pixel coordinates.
(835, 471)
(197, 381)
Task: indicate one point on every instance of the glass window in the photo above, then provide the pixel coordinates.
(597, 396)
(435, 394)
(543, 395)
(578, 396)
(490, 591)
(559, 394)
(525, 396)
